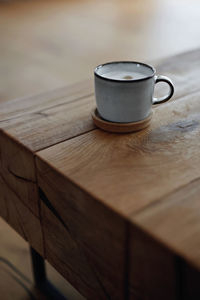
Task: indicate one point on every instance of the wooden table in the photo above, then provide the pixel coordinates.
(117, 215)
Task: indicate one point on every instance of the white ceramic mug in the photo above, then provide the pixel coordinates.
(124, 91)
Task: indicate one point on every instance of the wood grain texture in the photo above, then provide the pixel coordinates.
(67, 256)
(24, 123)
(120, 169)
(18, 107)
(15, 251)
(156, 271)
(153, 272)
(98, 172)
(42, 46)
(175, 222)
(18, 171)
(129, 172)
(20, 217)
(87, 248)
(41, 121)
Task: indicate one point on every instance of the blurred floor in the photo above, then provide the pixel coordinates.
(46, 44)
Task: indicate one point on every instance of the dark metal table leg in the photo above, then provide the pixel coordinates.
(40, 278)
(38, 267)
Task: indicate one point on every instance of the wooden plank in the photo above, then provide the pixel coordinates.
(64, 113)
(18, 143)
(25, 123)
(156, 272)
(41, 121)
(20, 217)
(52, 126)
(175, 221)
(153, 272)
(18, 107)
(88, 249)
(112, 169)
(120, 169)
(18, 171)
(68, 257)
(65, 255)
(120, 172)
(18, 191)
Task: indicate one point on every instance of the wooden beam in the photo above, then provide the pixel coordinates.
(84, 170)
(153, 269)
(126, 173)
(174, 221)
(20, 217)
(18, 120)
(120, 169)
(18, 171)
(84, 240)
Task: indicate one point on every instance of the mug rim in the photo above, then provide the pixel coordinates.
(121, 80)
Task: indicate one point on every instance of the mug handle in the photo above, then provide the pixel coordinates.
(171, 89)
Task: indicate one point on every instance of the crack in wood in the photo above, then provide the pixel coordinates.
(67, 139)
(20, 177)
(46, 201)
(16, 195)
(64, 103)
(41, 112)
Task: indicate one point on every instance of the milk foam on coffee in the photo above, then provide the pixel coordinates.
(123, 75)
(124, 71)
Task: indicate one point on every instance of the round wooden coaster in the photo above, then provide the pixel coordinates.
(119, 127)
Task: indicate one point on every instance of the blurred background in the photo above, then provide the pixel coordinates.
(45, 44)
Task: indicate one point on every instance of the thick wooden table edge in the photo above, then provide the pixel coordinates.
(129, 223)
